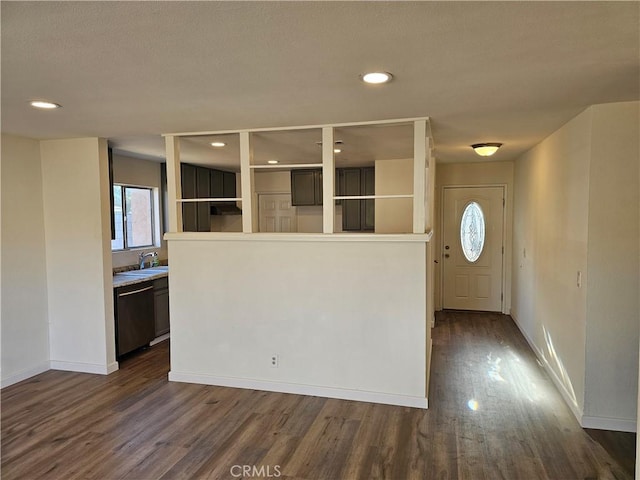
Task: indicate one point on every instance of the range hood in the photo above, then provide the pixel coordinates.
(225, 209)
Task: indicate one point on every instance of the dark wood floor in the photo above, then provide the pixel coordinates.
(493, 415)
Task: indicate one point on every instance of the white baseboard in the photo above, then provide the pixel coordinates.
(566, 396)
(159, 339)
(84, 367)
(24, 375)
(429, 358)
(314, 391)
(112, 367)
(604, 423)
(585, 421)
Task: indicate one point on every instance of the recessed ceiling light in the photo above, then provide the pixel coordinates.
(218, 144)
(377, 77)
(336, 150)
(272, 162)
(486, 149)
(44, 105)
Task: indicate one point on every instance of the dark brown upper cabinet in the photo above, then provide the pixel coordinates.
(228, 184)
(189, 190)
(357, 215)
(306, 187)
(203, 190)
(202, 182)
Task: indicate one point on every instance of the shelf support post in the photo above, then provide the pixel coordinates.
(174, 182)
(419, 174)
(328, 180)
(246, 182)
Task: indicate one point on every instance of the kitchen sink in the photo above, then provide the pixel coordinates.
(147, 271)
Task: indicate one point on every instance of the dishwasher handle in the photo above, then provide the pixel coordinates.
(135, 291)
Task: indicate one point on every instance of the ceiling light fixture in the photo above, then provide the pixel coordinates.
(272, 162)
(218, 144)
(486, 149)
(42, 104)
(336, 150)
(376, 77)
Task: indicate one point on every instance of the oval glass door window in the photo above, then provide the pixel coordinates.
(472, 229)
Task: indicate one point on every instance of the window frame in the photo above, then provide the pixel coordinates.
(123, 225)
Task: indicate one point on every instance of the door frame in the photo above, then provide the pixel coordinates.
(505, 196)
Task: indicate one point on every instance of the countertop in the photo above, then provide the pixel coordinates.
(138, 276)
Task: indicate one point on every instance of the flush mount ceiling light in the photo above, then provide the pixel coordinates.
(486, 149)
(272, 162)
(218, 144)
(44, 105)
(336, 150)
(376, 77)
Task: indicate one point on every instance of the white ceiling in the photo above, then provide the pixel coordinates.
(510, 72)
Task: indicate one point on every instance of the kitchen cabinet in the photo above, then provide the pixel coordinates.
(189, 210)
(306, 187)
(216, 179)
(358, 215)
(203, 190)
(135, 316)
(202, 182)
(223, 184)
(368, 206)
(228, 184)
(161, 306)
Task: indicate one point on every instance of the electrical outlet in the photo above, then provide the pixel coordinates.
(275, 360)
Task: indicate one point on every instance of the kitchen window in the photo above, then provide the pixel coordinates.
(134, 218)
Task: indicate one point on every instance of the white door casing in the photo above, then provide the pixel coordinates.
(475, 284)
(276, 213)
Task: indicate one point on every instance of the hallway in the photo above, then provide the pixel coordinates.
(493, 414)
(506, 419)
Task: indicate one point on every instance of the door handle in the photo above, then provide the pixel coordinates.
(135, 291)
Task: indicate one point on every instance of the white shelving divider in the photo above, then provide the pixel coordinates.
(286, 165)
(423, 184)
(246, 182)
(328, 180)
(419, 165)
(174, 182)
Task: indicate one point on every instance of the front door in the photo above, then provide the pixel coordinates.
(276, 213)
(473, 252)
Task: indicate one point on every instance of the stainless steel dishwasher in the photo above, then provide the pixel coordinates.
(135, 317)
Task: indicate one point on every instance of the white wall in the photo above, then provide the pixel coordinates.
(141, 173)
(576, 210)
(473, 174)
(272, 182)
(550, 247)
(613, 262)
(25, 325)
(78, 250)
(394, 177)
(347, 318)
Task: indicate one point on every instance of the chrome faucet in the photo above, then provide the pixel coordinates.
(142, 256)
